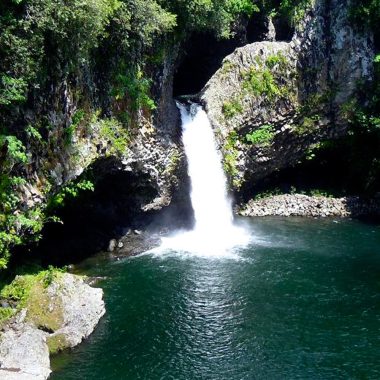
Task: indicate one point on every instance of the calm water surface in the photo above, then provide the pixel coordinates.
(302, 301)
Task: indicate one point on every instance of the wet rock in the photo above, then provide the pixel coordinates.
(112, 245)
(317, 206)
(134, 244)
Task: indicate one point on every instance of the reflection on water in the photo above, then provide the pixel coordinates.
(301, 301)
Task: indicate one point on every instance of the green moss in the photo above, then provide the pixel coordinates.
(43, 311)
(262, 136)
(278, 60)
(175, 159)
(19, 290)
(227, 67)
(57, 343)
(230, 158)
(307, 125)
(115, 134)
(232, 108)
(5, 314)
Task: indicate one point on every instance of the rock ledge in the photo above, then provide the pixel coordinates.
(314, 206)
(55, 317)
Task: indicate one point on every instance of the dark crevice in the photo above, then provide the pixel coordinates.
(340, 168)
(257, 27)
(45, 329)
(203, 57)
(92, 219)
(284, 31)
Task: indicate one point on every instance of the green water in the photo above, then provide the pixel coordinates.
(302, 301)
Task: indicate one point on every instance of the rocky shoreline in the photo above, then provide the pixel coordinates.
(311, 206)
(55, 317)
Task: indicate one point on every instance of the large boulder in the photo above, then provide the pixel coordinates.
(271, 102)
(58, 312)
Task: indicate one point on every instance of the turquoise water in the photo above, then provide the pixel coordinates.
(302, 301)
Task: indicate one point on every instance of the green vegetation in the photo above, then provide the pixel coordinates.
(232, 108)
(115, 134)
(307, 124)
(227, 67)
(57, 343)
(71, 69)
(294, 10)
(267, 194)
(291, 10)
(364, 139)
(230, 158)
(13, 223)
(130, 86)
(265, 79)
(28, 290)
(292, 190)
(5, 314)
(208, 15)
(69, 191)
(19, 289)
(51, 49)
(366, 14)
(262, 136)
(261, 83)
(276, 60)
(174, 158)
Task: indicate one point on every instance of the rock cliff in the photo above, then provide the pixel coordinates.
(272, 102)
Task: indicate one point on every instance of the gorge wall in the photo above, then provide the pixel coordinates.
(271, 102)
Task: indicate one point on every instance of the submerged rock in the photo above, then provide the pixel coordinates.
(59, 313)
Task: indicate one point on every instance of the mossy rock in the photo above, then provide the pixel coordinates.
(6, 313)
(57, 343)
(44, 311)
(34, 292)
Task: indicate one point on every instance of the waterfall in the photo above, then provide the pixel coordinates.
(214, 232)
(212, 208)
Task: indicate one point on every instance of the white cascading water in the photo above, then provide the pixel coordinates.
(214, 232)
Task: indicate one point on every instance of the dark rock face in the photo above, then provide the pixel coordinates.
(287, 96)
(200, 58)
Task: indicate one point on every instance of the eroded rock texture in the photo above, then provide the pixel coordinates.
(287, 96)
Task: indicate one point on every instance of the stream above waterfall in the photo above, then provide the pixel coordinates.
(300, 301)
